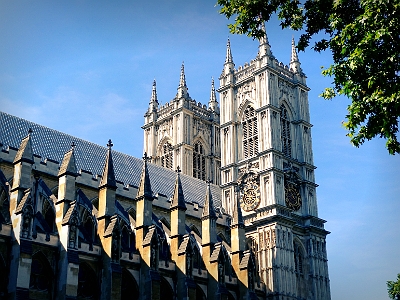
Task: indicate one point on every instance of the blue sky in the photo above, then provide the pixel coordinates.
(86, 68)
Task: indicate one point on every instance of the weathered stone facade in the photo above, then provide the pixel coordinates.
(81, 221)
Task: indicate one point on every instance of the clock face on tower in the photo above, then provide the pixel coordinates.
(292, 196)
(250, 196)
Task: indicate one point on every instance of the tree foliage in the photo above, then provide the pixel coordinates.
(364, 39)
(394, 288)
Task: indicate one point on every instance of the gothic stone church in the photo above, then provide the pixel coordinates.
(222, 206)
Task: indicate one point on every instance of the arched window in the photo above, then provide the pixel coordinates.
(285, 132)
(129, 287)
(49, 215)
(41, 278)
(199, 162)
(250, 133)
(167, 155)
(88, 287)
(298, 259)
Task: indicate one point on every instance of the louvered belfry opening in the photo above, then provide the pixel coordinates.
(199, 162)
(250, 133)
(167, 156)
(285, 132)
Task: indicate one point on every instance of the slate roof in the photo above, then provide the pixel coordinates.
(52, 144)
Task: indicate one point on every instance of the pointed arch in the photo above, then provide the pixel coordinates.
(129, 286)
(165, 152)
(242, 107)
(127, 239)
(49, 214)
(300, 267)
(41, 277)
(195, 230)
(167, 289)
(299, 253)
(88, 283)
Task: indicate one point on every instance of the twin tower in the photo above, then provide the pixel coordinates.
(256, 145)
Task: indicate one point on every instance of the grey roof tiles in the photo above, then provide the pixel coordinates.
(52, 144)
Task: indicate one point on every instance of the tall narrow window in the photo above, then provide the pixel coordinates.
(199, 162)
(250, 133)
(167, 155)
(285, 133)
(298, 259)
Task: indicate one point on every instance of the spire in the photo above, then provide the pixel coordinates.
(294, 59)
(153, 99)
(237, 218)
(264, 47)
(228, 58)
(108, 175)
(182, 79)
(178, 199)
(25, 151)
(68, 164)
(144, 185)
(213, 104)
(182, 88)
(208, 210)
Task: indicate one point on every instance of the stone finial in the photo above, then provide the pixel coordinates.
(294, 59)
(228, 58)
(182, 78)
(264, 47)
(182, 88)
(208, 210)
(153, 105)
(213, 104)
(178, 199)
(144, 189)
(108, 175)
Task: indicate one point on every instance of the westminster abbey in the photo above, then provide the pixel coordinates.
(221, 206)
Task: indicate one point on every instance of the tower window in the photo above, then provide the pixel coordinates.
(250, 133)
(199, 162)
(285, 132)
(167, 155)
(298, 259)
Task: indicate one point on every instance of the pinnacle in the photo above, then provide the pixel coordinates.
(178, 199)
(144, 185)
(228, 58)
(237, 212)
(108, 175)
(68, 164)
(213, 104)
(294, 57)
(208, 210)
(182, 79)
(25, 151)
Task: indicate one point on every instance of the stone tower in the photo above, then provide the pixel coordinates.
(184, 133)
(267, 152)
